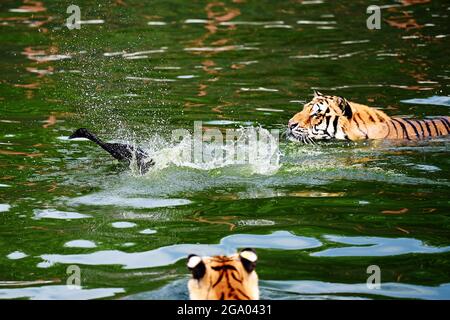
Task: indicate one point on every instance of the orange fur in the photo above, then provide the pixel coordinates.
(332, 117)
(223, 278)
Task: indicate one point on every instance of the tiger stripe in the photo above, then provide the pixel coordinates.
(421, 127)
(403, 127)
(333, 117)
(395, 127)
(447, 124)
(231, 289)
(413, 126)
(428, 128)
(224, 277)
(359, 126)
(438, 133)
(389, 130)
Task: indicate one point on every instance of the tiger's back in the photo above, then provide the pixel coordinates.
(370, 123)
(410, 129)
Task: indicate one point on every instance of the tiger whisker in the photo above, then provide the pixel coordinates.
(311, 140)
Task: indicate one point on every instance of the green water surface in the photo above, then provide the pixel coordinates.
(137, 70)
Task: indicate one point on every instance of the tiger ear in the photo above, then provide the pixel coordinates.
(317, 94)
(248, 258)
(196, 265)
(345, 107)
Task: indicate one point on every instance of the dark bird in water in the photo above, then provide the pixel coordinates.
(120, 151)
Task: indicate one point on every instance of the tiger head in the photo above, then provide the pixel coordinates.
(224, 277)
(324, 118)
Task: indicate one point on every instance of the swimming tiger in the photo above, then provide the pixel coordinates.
(224, 277)
(332, 117)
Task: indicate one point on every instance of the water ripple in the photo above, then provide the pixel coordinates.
(171, 254)
(434, 100)
(377, 247)
(311, 290)
(56, 214)
(80, 244)
(16, 255)
(395, 290)
(107, 199)
(58, 292)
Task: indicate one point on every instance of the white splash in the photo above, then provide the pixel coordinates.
(254, 149)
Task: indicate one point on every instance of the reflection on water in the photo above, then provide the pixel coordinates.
(58, 292)
(147, 231)
(312, 290)
(176, 290)
(4, 207)
(434, 100)
(168, 255)
(376, 247)
(302, 290)
(123, 224)
(107, 199)
(80, 244)
(164, 256)
(16, 255)
(56, 214)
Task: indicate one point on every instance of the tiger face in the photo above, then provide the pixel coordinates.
(324, 118)
(224, 277)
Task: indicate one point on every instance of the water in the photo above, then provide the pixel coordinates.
(318, 216)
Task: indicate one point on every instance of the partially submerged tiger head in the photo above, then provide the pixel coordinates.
(324, 118)
(224, 277)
